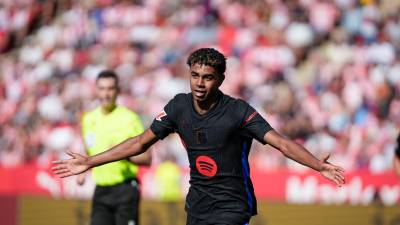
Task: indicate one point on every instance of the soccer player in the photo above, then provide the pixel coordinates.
(397, 157)
(116, 196)
(217, 131)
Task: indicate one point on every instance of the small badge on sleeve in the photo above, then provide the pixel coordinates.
(161, 115)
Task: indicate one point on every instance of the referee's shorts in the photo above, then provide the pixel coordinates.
(116, 205)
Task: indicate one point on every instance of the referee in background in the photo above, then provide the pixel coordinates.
(116, 197)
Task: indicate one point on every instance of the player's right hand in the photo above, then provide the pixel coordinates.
(76, 165)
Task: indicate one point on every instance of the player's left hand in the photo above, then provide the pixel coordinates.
(332, 172)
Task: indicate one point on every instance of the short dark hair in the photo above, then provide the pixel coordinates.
(209, 57)
(108, 74)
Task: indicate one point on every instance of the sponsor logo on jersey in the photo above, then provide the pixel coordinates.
(161, 115)
(206, 166)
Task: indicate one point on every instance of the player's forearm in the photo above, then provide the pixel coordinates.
(126, 149)
(299, 154)
(142, 159)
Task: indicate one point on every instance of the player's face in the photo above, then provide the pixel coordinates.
(107, 91)
(204, 81)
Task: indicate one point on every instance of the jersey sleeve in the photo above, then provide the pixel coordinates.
(252, 123)
(164, 124)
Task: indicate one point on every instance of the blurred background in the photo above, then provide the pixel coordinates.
(323, 72)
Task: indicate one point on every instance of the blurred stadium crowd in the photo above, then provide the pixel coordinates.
(324, 72)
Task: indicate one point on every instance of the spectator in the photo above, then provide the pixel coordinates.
(343, 70)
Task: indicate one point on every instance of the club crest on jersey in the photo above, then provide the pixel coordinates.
(206, 166)
(161, 115)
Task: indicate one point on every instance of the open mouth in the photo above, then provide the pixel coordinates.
(199, 94)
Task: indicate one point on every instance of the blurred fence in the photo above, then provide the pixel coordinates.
(48, 211)
(307, 187)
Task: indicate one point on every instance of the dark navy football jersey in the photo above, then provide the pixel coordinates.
(218, 145)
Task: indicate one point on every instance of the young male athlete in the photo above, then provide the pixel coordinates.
(116, 196)
(217, 131)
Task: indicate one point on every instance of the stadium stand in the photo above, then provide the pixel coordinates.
(323, 72)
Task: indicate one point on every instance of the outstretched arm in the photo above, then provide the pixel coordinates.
(128, 148)
(299, 154)
(142, 159)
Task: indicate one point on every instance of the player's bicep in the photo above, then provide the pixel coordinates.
(147, 138)
(274, 139)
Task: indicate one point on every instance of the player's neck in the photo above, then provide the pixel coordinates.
(202, 107)
(108, 109)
